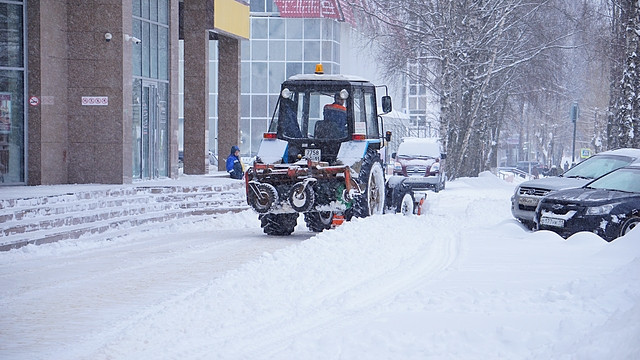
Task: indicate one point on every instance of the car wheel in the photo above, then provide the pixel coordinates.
(629, 224)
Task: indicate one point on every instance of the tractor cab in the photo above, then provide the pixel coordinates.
(316, 113)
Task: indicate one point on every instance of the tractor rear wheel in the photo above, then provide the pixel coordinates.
(278, 224)
(371, 178)
(318, 221)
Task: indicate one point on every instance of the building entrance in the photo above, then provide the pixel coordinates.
(150, 153)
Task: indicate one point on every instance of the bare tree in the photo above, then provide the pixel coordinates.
(476, 56)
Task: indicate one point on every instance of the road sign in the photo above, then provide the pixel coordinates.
(585, 153)
(34, 101)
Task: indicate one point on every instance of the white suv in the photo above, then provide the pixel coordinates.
(528, 194)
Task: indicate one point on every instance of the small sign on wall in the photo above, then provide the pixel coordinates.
(95, 100)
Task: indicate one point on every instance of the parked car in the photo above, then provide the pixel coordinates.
(420, 160)
(608, 206)
(528, 194)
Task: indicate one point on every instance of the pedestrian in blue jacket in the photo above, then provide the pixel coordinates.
(234, 165)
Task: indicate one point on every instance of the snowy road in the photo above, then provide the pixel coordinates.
(463, 281)
(51, 297)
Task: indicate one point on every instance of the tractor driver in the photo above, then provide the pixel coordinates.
(336, 114)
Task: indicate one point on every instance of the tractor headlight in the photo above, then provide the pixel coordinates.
(286, 93)
(600, 210)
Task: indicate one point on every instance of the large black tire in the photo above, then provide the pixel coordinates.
(278, 224)
(318, 221)
(371, 179)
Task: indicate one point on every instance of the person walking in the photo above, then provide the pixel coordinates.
(234, 164)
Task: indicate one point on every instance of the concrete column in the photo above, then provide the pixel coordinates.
(228, 97)
(196, 89)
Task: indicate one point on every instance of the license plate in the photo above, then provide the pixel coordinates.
(312, 154)
(551, 222)
(528, 201)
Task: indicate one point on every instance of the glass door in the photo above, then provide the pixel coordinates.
(149, 131)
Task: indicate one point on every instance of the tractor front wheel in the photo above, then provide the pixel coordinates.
(371, 178)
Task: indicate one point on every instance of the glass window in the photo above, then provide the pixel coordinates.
(271, 106)
(153, 51)
(259, 50)
(336, 30)
(245, 101)
(312, 51)
(359, 118)
(372, 122)
(258, 127)
(137, 9)
(312, 29)
(293, 69)
(327, 46)
(336, 52)
(137, 50)
(258, 105)
(256, 5)
(163, 12)
(163, 53)
(245, 50)
(310, 67)
(213, 106)
(294, 28)
(327, 30)
(145, 9)
(294, 50)
(276, 50)
(245, 77)
(276, 76)
(259, 28)
(213, 78)
(259, 77)
(146, 46)
(153, 10)
(11, 42)
(213, 50)
(271, 7)
(276, 28)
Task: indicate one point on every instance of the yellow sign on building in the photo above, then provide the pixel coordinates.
(231, 17)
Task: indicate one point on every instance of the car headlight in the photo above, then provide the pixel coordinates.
(600, 210)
